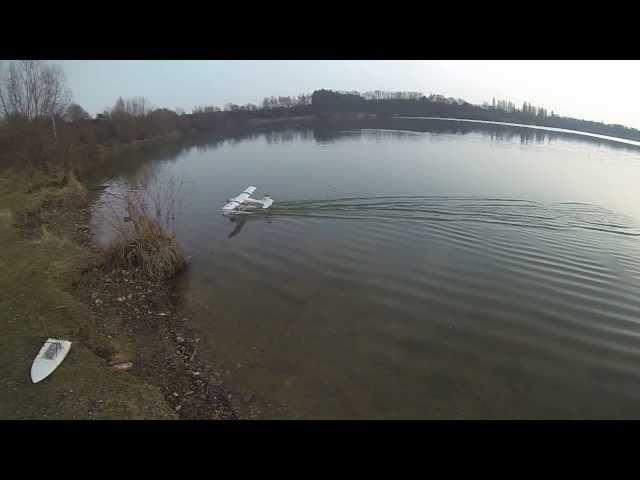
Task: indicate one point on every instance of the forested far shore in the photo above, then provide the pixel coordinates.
(326, 102)
(40, 125)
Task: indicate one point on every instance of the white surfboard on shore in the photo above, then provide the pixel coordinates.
(51, 355)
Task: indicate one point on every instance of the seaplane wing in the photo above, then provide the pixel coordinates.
(244, 195)
(244, 200)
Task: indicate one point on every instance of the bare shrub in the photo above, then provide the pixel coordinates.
(142, 218)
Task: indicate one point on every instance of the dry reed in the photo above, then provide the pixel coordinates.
(143, 221)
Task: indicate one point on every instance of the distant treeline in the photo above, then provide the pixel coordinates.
(134, 118)
(326, 102)
(40, 125)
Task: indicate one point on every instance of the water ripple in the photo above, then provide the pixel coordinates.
(512, 212)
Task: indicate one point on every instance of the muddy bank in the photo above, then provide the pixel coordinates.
(150, 340)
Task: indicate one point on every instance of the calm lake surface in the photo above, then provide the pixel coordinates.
(414, 269)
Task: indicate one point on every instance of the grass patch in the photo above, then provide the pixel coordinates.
(37, 301)
(6, 218)
(36, 199)
(150, 252)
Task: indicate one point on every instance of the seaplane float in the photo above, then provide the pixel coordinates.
(243, 203)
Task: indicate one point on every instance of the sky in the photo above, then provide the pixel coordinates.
(594, 90)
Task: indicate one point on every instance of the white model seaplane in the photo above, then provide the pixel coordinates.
(243, 202)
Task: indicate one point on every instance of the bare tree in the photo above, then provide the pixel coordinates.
(133, 107)
(33, 90)
(119, 108)
(2, 103)
(137, 106)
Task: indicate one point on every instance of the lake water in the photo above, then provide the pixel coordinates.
(415, 269)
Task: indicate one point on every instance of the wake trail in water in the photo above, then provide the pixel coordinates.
(500, 211)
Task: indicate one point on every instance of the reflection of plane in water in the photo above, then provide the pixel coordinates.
(240, 221)
(239, 224)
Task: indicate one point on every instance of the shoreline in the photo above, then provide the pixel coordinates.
(133, 355)
(151, 340)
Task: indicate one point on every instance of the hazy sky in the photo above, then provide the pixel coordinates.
(595, 90)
